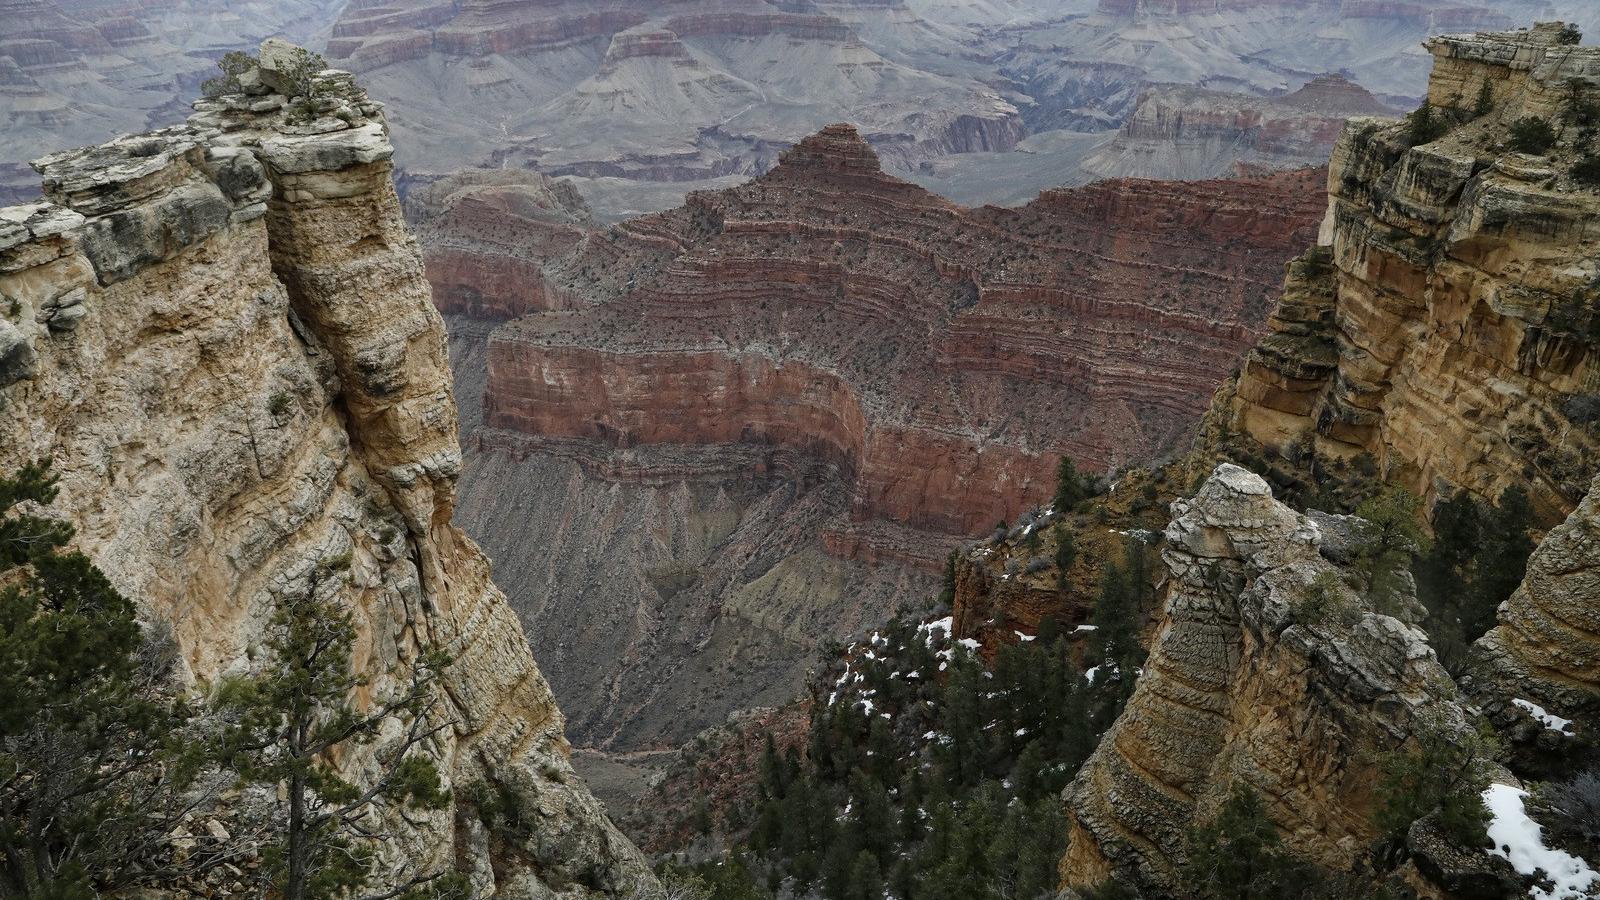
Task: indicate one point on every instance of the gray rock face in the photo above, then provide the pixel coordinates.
(16, 355)
(229, 323)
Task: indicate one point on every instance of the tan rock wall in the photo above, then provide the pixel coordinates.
(238, 371)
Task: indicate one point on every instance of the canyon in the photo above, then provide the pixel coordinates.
(221, 335)
(711, 439)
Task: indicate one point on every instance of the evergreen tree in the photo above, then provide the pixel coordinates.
(93, 773)
(1072, 487)
(1424, 126)
(1444, 772)
(1238, 855)
(1066, 554)
(1485, 103)
(289, 722)
(1392, 533)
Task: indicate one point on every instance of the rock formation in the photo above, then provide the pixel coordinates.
(221, 334)
(1189, 132)
(80, 71)
(921, 347)
(486, 233)
(1244, 685)
(752, 424)
(1543, 659)
(1444, 324)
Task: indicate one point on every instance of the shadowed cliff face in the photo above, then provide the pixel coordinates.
(1444, 325)
(222, 336)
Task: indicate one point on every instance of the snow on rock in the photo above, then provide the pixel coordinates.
(1519, 839)
(968, 643)
(1549, 720)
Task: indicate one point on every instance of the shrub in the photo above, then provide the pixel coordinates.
(1424, 126)
(1324, 601)
(1238, 854)
(1574, 807)
(1445, 772)
(1587, 170)
(1532, 135)
(233, 64)
(1485, 104)
(1569, 35)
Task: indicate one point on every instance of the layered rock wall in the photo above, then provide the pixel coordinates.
(222, 336)
(1444, 324)
(942, 358)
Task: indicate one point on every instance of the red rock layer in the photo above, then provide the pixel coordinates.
(943, 358)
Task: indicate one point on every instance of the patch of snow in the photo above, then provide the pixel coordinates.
(1519, 839)
(913, 674)
(968, 643)
(1549, 720)
(1022, 732)
(867, 705)
(1024, 637)
(1086, 628)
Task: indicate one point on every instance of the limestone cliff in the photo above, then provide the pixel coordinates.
(1245, 685)
(1445, 323)
(222, 335)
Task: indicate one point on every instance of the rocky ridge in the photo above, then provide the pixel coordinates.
(221, 334)
(680, 90)
(1442, 325)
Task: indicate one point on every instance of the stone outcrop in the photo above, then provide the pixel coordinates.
(1545, 652)
(1244, 686)
(1444, 325)
(1190, 132)
(222, 336)
(942, 358)
(80, 72)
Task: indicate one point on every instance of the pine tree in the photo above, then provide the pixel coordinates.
(286, 725)
(1423, 125)
(1239, 856)
(1072, 487)
(1485, 104)
(1066, 554)
(93, 772)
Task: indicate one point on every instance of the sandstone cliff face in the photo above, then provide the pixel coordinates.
(486, 233)
(1443, 325)
(222, 336)
(1241, 688)
(942, 358)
